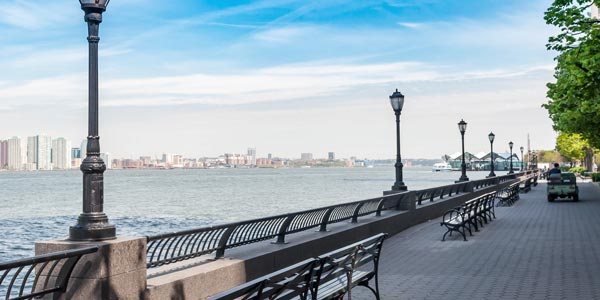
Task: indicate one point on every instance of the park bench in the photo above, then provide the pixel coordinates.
(472, 213)
(329, 276)
(509, 195)
(525, 185)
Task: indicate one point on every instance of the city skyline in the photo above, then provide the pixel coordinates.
(286, 76)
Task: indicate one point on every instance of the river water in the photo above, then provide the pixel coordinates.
(38, 206)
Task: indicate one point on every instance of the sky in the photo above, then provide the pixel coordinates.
(202, 78)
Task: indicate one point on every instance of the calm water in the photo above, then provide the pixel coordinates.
(42, 205)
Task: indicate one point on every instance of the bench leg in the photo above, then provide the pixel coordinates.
(375, 292)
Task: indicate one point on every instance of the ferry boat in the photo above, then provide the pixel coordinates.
(442, 167)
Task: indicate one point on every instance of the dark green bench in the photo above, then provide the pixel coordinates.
(329, 276)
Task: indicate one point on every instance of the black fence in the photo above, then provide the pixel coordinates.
(177, 246)
(41, 275)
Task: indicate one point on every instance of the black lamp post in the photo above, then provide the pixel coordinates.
(510, 144)
(92, 224)
(397, 101)
(491, 136)
(462, 126)
(522, 159)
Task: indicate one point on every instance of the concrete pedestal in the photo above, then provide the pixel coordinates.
(116, 271)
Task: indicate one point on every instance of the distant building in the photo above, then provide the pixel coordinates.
(3, 154)
(270, 156)
(107, 159)
(251, 156)
(167, 158)
(178, 161)
(306, 156)
(61, 153)
(17, 153)
(83, 149)
(75, 153)
(39, 152)
(235, 159)
(331, 156)
(75, 163)
(146, 160)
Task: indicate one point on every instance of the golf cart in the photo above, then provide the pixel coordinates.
(562, 185)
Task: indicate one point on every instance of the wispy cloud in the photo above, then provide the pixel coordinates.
(34, 15)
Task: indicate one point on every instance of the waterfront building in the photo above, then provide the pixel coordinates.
(306, 156)
(251, 156)
(17, 153)
(83, 149)
(107, 159)
(481, 161)
(61, 153)
(75, 153)
(270, 156)
(167, 158)
(44, 153)
(39, 152)
(75, 163)
(331, 156)
(146, 160)
(235, 159)
(3, 154)
(177, 161)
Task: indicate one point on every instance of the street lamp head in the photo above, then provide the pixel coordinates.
(462, 126)
(522, 148)
(94, 5)
(491, 136)
(511, 144)
(397, 101)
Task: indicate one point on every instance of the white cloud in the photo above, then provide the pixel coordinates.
(35, 14)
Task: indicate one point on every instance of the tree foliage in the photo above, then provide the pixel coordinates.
(574, 104)
(571, 146)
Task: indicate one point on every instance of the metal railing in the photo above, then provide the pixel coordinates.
(39, 275)
(177, 246)
(182, 245)
(440, 192)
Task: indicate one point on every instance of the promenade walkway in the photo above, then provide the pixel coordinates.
(533, 250)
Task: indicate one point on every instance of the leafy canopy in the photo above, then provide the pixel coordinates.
(574, 104)
(571, 146)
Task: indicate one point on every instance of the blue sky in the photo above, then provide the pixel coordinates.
(208, 77)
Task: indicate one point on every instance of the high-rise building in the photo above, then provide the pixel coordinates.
(251, 156)
(3, 154)
(16, 153)
(270, 156)
(331, 156)
(61, 153)
(83, 149)
(178, 161)
(306, 156)
(75, 153)
(39, 150)
(167, 158)
(106, 157)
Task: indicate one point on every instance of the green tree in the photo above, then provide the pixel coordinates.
(571, 146)
(574, 104)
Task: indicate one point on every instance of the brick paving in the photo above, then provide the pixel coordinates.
(533, 250)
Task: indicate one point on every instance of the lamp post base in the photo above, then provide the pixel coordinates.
(92, 227)
(491, 175)
(396, 188)
(462, 179)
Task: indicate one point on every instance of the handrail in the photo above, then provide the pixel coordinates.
(40, 275)
(172, 247)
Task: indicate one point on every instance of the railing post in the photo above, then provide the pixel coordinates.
(469, 187)
(223, 242)
(356, 211)
(325, 221)
(407, 201)
(283, 229)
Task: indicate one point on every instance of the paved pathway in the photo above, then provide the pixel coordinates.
(533, 250)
